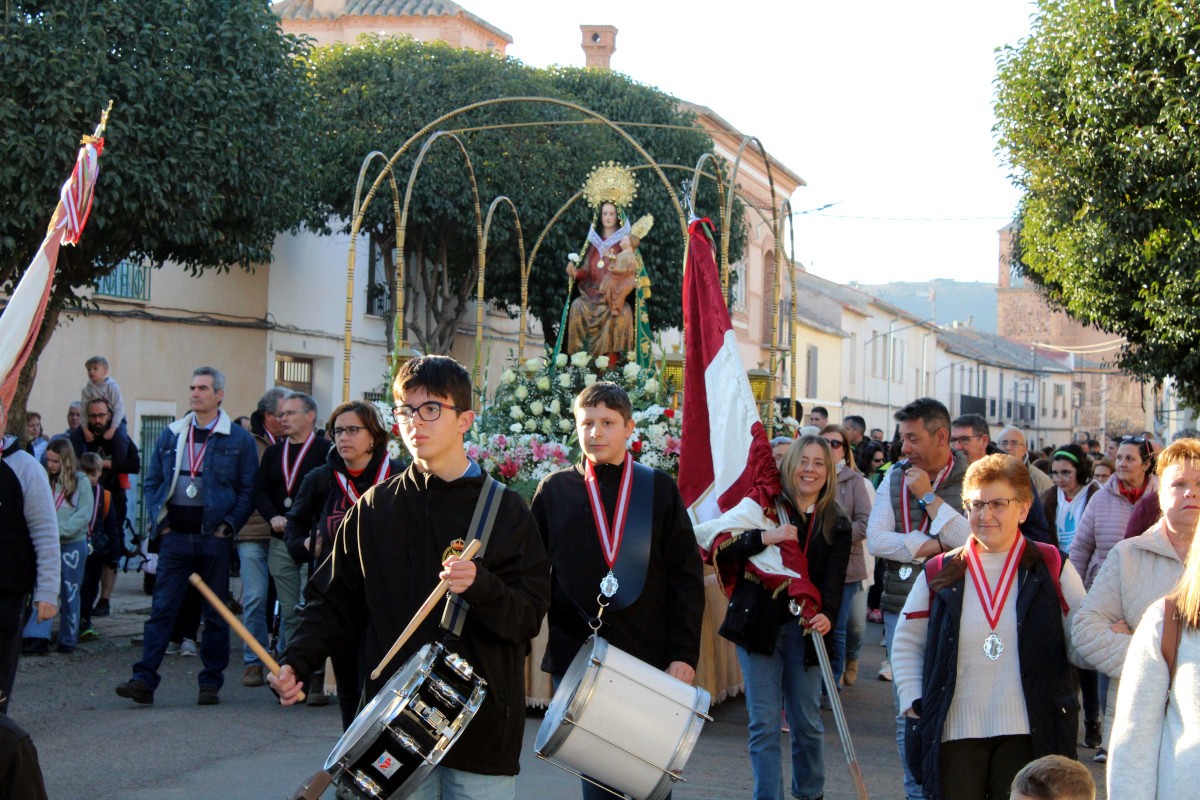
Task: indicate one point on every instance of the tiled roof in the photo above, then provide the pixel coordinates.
(989, 348)
(303, 9)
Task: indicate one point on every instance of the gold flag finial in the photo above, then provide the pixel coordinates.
(95, 137)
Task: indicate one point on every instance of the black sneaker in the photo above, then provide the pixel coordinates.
(209, 696)
(1091, 733)
(33, 646)
(137, 691)
(102, 608)
(1101, 756)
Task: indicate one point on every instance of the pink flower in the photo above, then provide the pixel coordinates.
(501, 440)
(509, 468)
(673, 446)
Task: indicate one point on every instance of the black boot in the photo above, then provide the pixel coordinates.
(1091, 733)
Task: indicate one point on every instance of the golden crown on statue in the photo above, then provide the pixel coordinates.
(610, 183)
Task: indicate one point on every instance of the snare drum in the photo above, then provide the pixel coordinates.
(621, 722)
(402, 734)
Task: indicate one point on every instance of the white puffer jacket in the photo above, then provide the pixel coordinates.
(1137, 572)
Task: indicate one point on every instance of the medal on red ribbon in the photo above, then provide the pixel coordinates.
(193, 458)
(610, 534)
(385, 469)
(906, 499)
(289, 476)
(993, 600)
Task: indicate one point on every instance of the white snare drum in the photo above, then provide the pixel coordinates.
(404, 732)
(621, 722)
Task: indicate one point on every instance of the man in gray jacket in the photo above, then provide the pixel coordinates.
(29, 542)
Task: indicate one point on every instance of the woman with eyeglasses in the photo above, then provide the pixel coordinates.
(855, 495)
(357, 461)
(980, 653)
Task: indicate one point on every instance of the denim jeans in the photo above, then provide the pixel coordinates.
(289, 586)
(180, 555)
(452, 784)
(848, 630)
(13, 609)
(912, 789)
(254, 595)
(779, 681)
(74, 560)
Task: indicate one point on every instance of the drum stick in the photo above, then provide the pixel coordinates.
(434, 597)
(238, 627)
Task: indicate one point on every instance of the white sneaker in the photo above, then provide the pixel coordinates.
(172, 648)
(188, 648)
(885, 670)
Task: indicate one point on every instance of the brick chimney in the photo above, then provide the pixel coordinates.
(599, 43)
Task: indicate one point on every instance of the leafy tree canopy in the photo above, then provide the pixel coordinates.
(205, 150)
(1097, 113)
(377, 93)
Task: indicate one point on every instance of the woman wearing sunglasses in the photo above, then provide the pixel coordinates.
(980, 654)
(855, 495)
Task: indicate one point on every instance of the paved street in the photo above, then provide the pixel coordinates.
(94, 744)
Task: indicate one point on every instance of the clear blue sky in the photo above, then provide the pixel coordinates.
(884, 108)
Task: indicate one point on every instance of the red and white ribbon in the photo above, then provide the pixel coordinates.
(385, 469)
(991, 599)
(906, 495)
(289, 475)
(610, 535)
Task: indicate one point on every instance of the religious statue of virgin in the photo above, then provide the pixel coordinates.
(609, 316)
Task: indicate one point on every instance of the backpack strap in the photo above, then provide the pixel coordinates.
(1053, 559)
(1171, 637)
(932, 567)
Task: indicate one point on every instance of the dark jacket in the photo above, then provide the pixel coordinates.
(321, 504)
(1146, 512)
(120, 450)
(270, 489)
(663, 624)
(385, 562)
(753, 617)
(1049, 682)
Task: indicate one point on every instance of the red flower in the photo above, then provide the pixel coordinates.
(637, 446)
(395, 429)
(669, 413)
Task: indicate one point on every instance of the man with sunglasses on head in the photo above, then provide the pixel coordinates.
(393, 546)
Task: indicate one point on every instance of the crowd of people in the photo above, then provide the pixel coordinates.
(1016, 587)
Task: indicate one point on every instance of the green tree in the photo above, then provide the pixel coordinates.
(375, 94)
(205, 151)
(1097, 114)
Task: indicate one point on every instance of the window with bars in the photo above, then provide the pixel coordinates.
(292, 372)
(151, 428)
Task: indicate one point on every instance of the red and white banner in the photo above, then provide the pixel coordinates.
(727, 475)
(22, 317)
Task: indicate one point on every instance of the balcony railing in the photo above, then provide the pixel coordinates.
(127, 282)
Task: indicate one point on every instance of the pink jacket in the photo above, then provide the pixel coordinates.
(1102, 526)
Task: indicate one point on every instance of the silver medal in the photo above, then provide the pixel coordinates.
(993, 647)
(191, 491)
(287, 502)
(905, 572)
(609, 586)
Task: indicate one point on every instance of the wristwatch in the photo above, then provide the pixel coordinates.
(926, 500)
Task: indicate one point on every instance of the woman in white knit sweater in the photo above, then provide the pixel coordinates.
(1156, 734)
(1141, 570)
(980, 654)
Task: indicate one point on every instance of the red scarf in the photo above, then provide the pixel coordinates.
(1131, 494)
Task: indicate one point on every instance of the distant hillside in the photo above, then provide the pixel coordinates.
(953, 300)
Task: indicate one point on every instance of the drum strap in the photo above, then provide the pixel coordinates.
(455, 612)
(634, 558)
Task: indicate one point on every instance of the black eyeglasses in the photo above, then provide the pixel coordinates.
(962, 440)
(998, 505)
(429, 411)
(834, 444)
(1141, 441)
(349, 430)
